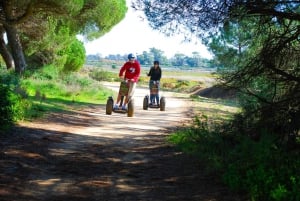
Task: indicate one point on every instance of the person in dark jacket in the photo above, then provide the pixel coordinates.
(155, 75)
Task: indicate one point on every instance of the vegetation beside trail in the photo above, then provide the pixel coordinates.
(45, 90)
(261, 169)
(256, 49)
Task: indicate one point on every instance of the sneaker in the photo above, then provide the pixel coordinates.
(124, 107)
(116, 106)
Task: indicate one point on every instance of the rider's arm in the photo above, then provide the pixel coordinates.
(122, 70)
(150, 72)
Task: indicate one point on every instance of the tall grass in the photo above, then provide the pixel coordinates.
(72, 87)
(43, 90)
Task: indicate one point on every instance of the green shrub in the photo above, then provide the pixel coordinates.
(102, 75)
(48, 72)
(209, 145)
(75, 56)
(76, 79)
(6, 118)
(182, 83)
(12, 105)
(263, 169)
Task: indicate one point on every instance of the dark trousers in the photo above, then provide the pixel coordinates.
(153, 98)
(154, 91)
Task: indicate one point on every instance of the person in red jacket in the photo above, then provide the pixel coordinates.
(132, 71)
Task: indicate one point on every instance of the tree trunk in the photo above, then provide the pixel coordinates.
(5, 53)
(16, 48)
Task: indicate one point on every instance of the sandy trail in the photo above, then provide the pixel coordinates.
(88, 155)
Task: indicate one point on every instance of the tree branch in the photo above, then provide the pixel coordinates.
(272, 12)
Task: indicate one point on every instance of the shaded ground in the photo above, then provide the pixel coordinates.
(87, 155)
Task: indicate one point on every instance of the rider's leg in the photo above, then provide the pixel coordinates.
(117, 102)
(151, 93)
(118, 99)
(131, 90)
(157, 98)
(119, 95)
(151, 98)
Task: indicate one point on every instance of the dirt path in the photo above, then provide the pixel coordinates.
(87, 155)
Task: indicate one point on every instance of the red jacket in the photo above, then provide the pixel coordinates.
(132, 70)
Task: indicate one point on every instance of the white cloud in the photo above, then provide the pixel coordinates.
(135, 35)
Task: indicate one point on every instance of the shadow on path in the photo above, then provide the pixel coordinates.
(87, 155)
(38, 164)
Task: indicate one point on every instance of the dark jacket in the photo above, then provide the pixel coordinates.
(155, 74)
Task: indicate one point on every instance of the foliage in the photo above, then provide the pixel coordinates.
(148, 57)
(230, 43)
(102, 75)
(75, 56)
(173, 84)
(12, 102)
(51, 48)
(73, 87)
(43, 90)
(5, 104)
(113, 66)
(256, 44)
(267, 74)
(197, 17)
(30, 24)
(98, 17)
(263, 169)
(59, 47)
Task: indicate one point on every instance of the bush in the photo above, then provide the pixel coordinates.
(48, 72)
(75, 79)
(263, 169)
(6, 118)
(102, 75)
(12, 106)
(75, 56)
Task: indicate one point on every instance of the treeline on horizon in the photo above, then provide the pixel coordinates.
(154, 54)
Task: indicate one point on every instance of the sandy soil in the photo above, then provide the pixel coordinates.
(87, 155)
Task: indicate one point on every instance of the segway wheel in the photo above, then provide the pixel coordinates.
(130, 109)
(162, 104)
(146, 103)
(109, 105)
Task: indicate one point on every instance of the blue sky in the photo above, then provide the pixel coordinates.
(133, 34)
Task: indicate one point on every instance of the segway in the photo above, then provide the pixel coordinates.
(154, 90)
(123, 91)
